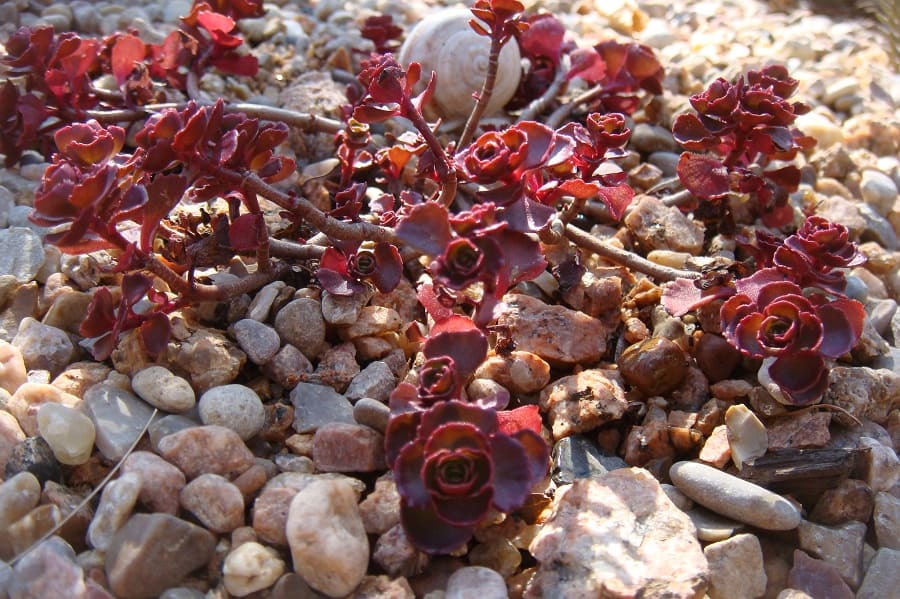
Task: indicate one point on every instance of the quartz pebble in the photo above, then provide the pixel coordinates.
(251, 567)
(116, 503)
(161, 389)
(733, 497)
(327, 538)
(396, 555)
(375, 380)
(49, 570)
(12, 367)
(288, 366)
(68, 432)
(339, 447)
(11, 434)
(28, 399)
(43, 347)
(161, 494)
(206, 449)
(119, 418)
(21, 253)
(19, 494)
(233, 406)
(217, 504)
(380, 510)
(736, 568)
(747, 437)
(476, 582)
(153, 552)
(582, 402)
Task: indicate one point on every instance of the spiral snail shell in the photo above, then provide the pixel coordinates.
(445, 43)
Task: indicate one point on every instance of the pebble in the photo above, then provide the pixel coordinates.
(21, 253)
(301, 324)
(500, 555)
(581, 402)
(851, 499)
(233, 406)
(117, 501)
(153, 552)
(820, 126)
(656, 366)
(380, 510)
(43, 347)
(161, 494)
(736, 568)
(544, 329)
(521, 372)
(259, 341)
(217, 504)
(327, 539)
(623, 537)
(646, 138)
(886, 518)
(251, 567)
(711, 527)
(476, 582)
(78, 377)
(28, 399)
(68, 432)
(656, 226)
(747, 437)
(878, 190)
(881, 468)
(49, 570)
(119, 418)
(841, 546)
(318, 405)
(372, 320)
(33, 455)
(817, 578)
(802, 431)
(160, 427)
(576, 457)
(733, 497)
(883, 577)
(209, 358)
(343, 309)
(19, 494)
(337, 367)
(287, 462)
(396, 555)
(206, 449)
(11, 434)
(375, 381)
(12, 367)
(371, 413)
(339, 447)
(864, 392)
(161, 389)
(288, 366)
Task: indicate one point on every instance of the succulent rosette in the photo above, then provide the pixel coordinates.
(455, 466)
(768, 318)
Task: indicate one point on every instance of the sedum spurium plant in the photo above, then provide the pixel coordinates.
(477, 214)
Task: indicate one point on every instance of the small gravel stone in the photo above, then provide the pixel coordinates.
(655, 366)
(659, 227)
(373, 320)
(217, 504)
(328, 542)
(209, 358)
(251, 567)
(881, 467)
(878, 190)
(167, 425)
(19, 494)
(883, 577)
(11, 434)
(164, 481)
(259, 341)
(380, 510)
(119, 418)
(733, 497)
(33, 455)
(233, 406)
(21, 253)
(577, 457)
(886, 518)
(647, 138)
(262, 302)
(817, 578)
(117, 501)
(372, 413)
(476, 582)
(518, 371)
(841, 546)
(43, 347)
(736, 568)
(582, 402)
(48, 570)
(818, 125)
(68, 432)
(396, 555)
(343, 309)
(500, 555)
(375, 380)
(288, 367)
(851, 499)
(78, 377)
(206, 449)
(545, 330)
(318, 405)
(301, 324)
(29, 398)
(154, 552)
(12, 367)
(339, 447)
(161, 389)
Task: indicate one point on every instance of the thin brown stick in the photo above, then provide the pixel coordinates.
(487, 90)
(626, 258)
(204, 293)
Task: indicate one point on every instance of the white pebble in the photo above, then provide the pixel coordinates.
(161, 389)
(251, 567)
(233, 406)
(68, 432)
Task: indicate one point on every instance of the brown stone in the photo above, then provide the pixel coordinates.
(655, 366)
(217, 504)
(339, 447)
(804, 431)
(817, 578)
(547, 330)
(153, 552)
(206, 449)
(518, 371)
(163, 481)
(582, 402)
(851, 500)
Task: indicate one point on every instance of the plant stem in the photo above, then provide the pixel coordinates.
(487, 90)
(307, 122)
(538, 105)
(442, 163)
(678, 198)
(288, 250)
(626, 258)
(199, 292)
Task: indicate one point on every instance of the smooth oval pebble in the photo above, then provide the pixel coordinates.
(233, 406)
(733, 497)
(68, 432)
(161, 389)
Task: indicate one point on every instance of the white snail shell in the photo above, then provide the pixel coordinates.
(445, 43)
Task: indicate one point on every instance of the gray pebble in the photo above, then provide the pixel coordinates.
(317, 405)
(878, 191)
(476, 582)
(372, 413)
(733, 497)
(375, 380)
(577, 457)
(21, 251)
(119, 417)
(301, 324)
(259, 341)
(233, 406)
